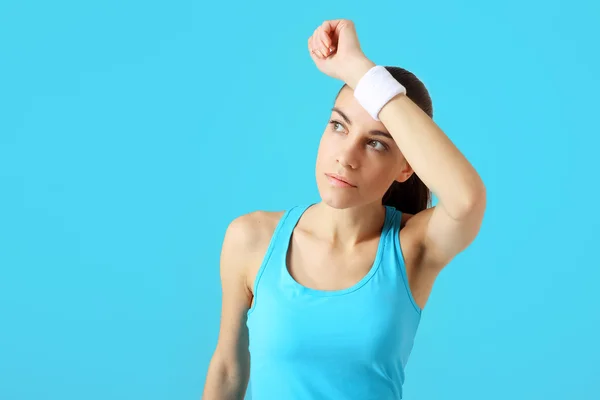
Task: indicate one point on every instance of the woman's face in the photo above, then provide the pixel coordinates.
(361, 151)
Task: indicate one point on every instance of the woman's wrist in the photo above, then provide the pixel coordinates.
(356, 70)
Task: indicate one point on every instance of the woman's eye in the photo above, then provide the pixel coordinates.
(375, 143)
(336, 125)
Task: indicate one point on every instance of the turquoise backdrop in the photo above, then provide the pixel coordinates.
(133, 132)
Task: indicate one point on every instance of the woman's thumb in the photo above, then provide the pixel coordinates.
(347, 34)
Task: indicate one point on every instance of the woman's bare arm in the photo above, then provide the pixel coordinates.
(229, 369)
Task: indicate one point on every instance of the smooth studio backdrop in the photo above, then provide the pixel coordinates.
(133, 132)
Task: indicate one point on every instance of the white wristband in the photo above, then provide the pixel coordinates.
(375, 89)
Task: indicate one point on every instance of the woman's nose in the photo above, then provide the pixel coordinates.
(348, 156)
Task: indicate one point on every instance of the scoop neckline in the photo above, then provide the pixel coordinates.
(350, 289)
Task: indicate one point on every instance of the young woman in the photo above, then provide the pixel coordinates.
(326, 298)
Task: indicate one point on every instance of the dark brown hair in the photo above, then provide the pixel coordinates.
(410, 196)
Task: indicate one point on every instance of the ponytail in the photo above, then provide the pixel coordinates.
(410, 196)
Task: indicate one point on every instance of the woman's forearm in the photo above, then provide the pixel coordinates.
(225, 382)
(430, 153)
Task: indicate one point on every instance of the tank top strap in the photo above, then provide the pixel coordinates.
(270, 273)
(395, 216)
(287, 224)
(283, 233)
(389, 236)
(395, 256)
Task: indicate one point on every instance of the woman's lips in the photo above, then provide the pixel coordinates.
(338, 181)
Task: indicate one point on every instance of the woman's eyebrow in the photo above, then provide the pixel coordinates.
(372, 132)
(381, 133)
(337, 110)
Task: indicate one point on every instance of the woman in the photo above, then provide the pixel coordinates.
(326, 298)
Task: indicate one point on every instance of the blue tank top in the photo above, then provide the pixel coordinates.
(346, 344)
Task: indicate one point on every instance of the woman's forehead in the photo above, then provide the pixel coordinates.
(352, 112)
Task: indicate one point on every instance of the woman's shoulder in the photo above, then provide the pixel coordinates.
(251, 234)
(255, 228)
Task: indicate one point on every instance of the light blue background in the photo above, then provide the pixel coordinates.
(133, 132)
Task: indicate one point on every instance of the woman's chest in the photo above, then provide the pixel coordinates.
(366, 322)
(320, 267)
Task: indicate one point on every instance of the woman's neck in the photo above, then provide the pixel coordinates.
(347, 227)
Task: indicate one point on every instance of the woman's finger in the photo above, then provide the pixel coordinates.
(310, 46)
(332, 26)
(317, 45)
(313, 48)
(326, 39)
(324, 42)
(330, 42)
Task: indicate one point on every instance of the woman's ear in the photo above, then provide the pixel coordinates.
(404, 173)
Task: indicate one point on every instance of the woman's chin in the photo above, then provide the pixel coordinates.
(339, 200)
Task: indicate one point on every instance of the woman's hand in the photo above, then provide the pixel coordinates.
(335, 49)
